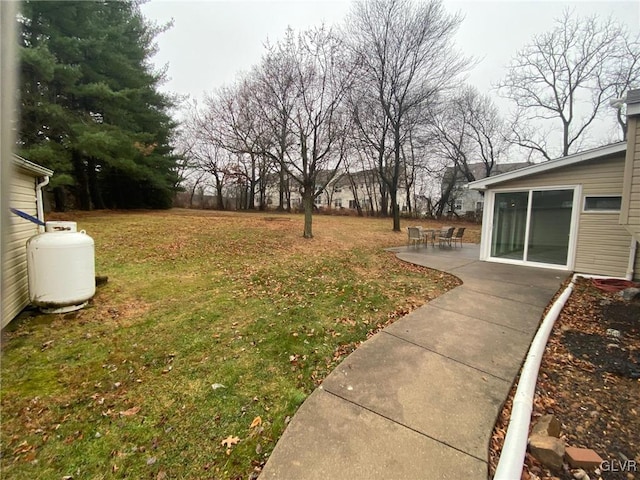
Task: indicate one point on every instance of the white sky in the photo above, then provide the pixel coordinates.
(211, 42)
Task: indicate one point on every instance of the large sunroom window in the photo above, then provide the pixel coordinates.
(532, 226)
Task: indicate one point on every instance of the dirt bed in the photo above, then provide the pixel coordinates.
(590, 380)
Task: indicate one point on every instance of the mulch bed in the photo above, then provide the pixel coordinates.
(590, 380)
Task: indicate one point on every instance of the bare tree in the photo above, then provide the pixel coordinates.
(563, 78)
(622, 74)
(231, 119)
(207, 153)
(275, 96)
(406, 55)
(305, 110)
(468, 131)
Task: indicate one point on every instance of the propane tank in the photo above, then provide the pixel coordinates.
(61, 268)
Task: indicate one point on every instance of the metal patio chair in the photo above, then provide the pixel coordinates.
(458, 236)
(415, 235)
(445, 238)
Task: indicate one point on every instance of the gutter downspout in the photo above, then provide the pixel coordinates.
(515, 443)
(632, 258)
(39, 205)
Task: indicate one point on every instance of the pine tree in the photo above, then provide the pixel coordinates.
(90, 108)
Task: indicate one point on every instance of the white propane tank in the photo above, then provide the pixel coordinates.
(61, 268)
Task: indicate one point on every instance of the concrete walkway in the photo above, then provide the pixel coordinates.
(419, 400)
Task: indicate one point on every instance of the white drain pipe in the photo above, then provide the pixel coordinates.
(39, 201)
(515, 443)
(632, 258)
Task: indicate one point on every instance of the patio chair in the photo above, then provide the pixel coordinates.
(415, 235)
(445, 238)
(458, 236)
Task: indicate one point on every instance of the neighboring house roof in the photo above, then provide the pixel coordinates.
(479, 170)
(39, 170)
(358, 177)
(584, 156)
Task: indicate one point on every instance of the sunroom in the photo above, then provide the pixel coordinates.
(561, 214)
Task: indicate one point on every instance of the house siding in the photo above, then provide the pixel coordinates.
(15, 291)
(631, 195)
(602, 243)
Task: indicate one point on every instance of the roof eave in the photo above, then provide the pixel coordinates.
(18, 161)
(580, 157)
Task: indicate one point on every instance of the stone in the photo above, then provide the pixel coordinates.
(613, 333)
(582, 458)
(580, 475)
(547, 425)
(547, 450)
(629, 294)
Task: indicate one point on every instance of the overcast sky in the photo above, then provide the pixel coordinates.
(211, 42)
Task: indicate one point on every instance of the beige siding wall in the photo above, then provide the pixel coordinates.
(603, 244)
(15, 291)
(634, 203)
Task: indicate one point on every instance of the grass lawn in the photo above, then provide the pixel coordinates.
(213, 327)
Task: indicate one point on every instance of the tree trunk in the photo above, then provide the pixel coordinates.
(220, 198)
(395, 210)
(394, 184)
(252, 185)
(94, 187)
(83, 200)
(307, 203)
(59, 196)
(281, 196)
(384, 200)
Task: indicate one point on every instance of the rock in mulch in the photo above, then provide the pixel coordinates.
(547, 450)
(629, 294)
(547, 425)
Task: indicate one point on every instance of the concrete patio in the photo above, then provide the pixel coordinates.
(420, 398)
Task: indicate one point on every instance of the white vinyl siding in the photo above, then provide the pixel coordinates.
(602, 243)
(15, 289)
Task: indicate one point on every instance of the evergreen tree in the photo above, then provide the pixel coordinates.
(90, 108)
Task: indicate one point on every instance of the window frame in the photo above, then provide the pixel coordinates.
(601, 210)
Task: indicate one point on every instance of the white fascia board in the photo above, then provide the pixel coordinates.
(580, 157)
(39, 170)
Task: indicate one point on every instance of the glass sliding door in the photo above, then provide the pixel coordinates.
(550, 226)
(509, 225)
(532, 226)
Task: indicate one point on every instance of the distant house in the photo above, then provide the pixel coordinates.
(345, 191)
(578, 213)
(26, 183)
(465, 202)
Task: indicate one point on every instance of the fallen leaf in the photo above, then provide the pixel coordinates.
(23, 448)
(256, 422)
(230, 441)
(130, 412)
(162, 475)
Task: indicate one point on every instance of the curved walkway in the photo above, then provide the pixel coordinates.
(419, 399)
